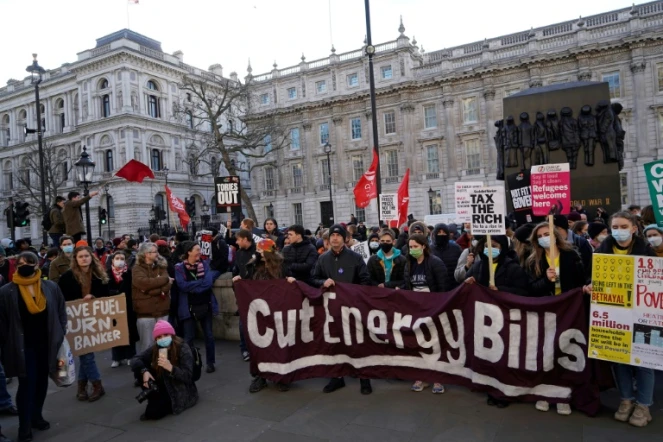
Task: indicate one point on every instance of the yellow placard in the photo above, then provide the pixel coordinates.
(612, 280)
(610, 344)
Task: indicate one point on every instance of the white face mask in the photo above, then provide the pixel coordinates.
(118, 264)
(475, 242)
(600, 238)
(655, 241)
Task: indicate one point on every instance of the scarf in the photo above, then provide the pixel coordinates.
(118, 274)
(197, 270)
(38, 303)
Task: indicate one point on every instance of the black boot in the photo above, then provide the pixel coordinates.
(333, 385)
(365, 386)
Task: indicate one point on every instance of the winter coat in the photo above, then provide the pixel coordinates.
(347, 266)
(72, 290)
(179, 383)
(376, 268)
(219, 261)
(150, 289)
(12, 343)
(57, 221)
(300, 259)
(585, 250)
(571, 275)
(73, 217)
(436, 273)
(58, 267)
(245, 261)
(448, 253)
(509, 276)
(193, 288)
(461, 271)
(124, 286)
(278, 237)
(640, 247)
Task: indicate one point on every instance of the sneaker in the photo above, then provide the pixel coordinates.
(640, 417)
(625, 409)
(115, 364)
(365, 386)
(419, 386)
(246, 356)
(257, 384)
(438, 388)
(564, 409)
(333, 385)
(542, 405)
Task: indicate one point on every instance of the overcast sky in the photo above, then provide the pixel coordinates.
(230, 32)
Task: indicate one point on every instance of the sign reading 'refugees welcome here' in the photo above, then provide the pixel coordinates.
(489, 341)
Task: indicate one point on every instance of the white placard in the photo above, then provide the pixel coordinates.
(488, 209)
(362, 249)
(388, 207)
(462, 199)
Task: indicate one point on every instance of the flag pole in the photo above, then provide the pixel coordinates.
(128, 23)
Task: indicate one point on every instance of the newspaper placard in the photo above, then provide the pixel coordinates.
(362, 249)
(206, 244)
(388, 207)
(551, 186)
(488, 210)
(462, 199)
(626, 315)
(98, 324)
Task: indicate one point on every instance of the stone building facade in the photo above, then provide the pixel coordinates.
(436, 111)
(118, 99)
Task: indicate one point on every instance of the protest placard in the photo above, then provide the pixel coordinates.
(488, 210)
(462, 199)
(520, 191)
(654, 176)
(206, 244)
(228, 191)
(98, 324)
(551, 186)
(388, 207)
(362, 249)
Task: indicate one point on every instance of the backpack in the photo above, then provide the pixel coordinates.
(197, 363)
(46, 222)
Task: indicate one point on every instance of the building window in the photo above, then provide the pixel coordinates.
(269, 178)
(659, 75)
(324, 133)
(189, 119)
(357, 167)
(193, 165)
(264, 99)
(292, 93)
(623, 187)
(299, 213)
(355, 125)
(432, 159)
(321, 86)
(188, 97)
(151, 85)
(613, 84)
(231, 126)
(392, 163)
(360, 213)
(268, 143)
(470, 110)
(389, 122)
(65, 171)
(109, 160)
(62, 123)
(156, 159)
(430, 117)
(297, 175)
(294, 139)
(353, 80)
(435, 203)
(160, 202)
(105, 106)
(103, 84)
(324, 167)
(386, 72)
(473, 156)
(153, 106)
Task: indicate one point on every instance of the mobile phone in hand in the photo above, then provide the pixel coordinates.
(163, 352)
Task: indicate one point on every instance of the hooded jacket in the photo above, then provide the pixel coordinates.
(300, 259)
(377, 268)
(509, 276)
(150, 289)
(448, 251)
(405, 249)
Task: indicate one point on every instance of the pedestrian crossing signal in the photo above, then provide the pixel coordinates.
(103, 216)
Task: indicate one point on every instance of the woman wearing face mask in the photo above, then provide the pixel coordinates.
(168, 366)
(33, 322)
(552, 276)
(119, 281)
(449, 252)
(387, 265)
(597, 232)
(466, 259)
(63, 262)
(373, 243)
(580, 228)
(653, 233)
(86, 280)
(100, 250)
(426, 273)
(635, 384)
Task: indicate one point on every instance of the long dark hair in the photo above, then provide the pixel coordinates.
(173, 354)
(272, 267)
(274, 232)
(420, 239)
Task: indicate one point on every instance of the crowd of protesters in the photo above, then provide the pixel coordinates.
(168, 288)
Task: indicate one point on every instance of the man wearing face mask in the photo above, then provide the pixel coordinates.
(63, 262)
(654, 235)
(449, 252)
(373, 244)
(579, 243)
(387, 266)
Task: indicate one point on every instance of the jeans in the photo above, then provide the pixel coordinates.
(145, 329)
(5, 398)
(123, 352)
(55, 237)
(242, 340)
(189, 326)
(644, 379)
(32, 389)
(88, 370)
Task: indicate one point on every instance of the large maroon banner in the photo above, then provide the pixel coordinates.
(509, 346)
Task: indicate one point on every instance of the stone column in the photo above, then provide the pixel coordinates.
(339, 174)
(453, 170)
(640, 107)
(141, 100)
(126, 91)
(113, 95)
(309, 170)
(91, 114)
(489, 115)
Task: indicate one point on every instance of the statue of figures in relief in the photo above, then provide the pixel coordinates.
(619, 133)
(587, 130)
(526, 133)
(540, 140)
(552, 130)
(605, 122)
(511, 140)
(499, 145)
(568, 130)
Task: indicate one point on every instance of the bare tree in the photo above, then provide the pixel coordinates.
(211, 102)
(57, 167)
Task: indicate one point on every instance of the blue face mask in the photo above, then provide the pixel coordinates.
(67, 249)
(544, 242)
(165, 341)
(496, 252)
(621, 235)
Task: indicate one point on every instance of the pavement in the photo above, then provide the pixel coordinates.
(226, 411)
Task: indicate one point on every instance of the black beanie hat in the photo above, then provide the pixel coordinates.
(523, 232)
(595, 228)
(339, 229)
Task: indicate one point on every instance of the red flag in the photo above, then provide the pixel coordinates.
(403, 198)
(135, 172)
(366, 188)
(177, 205)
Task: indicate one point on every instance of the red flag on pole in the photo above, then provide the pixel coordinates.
(177, 205)
(135, 172)
(366, 188)
(403, 198)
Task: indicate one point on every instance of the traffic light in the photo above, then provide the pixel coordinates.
(103, 216)
(9, 214)
(21, 214)
(190, 204)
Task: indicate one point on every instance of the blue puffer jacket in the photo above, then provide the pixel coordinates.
(198, 286)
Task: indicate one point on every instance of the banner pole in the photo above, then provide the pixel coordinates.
(490, 261)
(553, 241)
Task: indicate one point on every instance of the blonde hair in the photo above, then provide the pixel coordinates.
(95, 266)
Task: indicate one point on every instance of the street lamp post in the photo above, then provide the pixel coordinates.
(107, 188)
(204, 218)
(85, 168)
(328, 149)
(37, 72)
(370, 51)
(165, 174)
